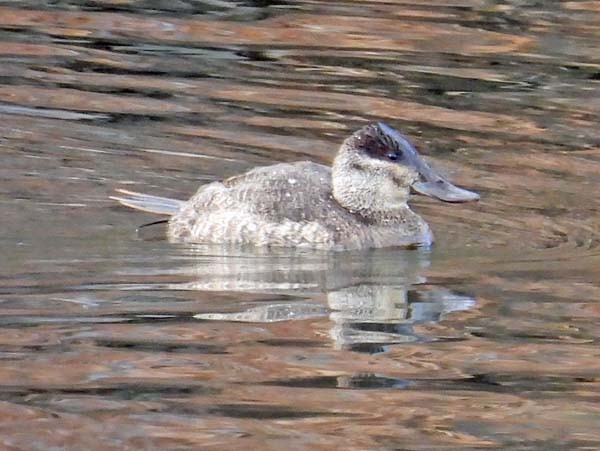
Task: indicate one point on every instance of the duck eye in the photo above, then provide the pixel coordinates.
(393, 156)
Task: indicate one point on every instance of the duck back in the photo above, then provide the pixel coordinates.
(288, 204)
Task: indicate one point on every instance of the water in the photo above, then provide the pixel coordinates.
(108, 341)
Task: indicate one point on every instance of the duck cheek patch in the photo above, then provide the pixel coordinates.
(403, 176)
(357, 167)
(403, 181)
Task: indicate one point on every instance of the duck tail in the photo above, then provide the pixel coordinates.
(146, 202)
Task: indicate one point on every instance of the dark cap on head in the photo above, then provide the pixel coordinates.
(385, 143)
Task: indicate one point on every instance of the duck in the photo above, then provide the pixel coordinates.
(360, 202)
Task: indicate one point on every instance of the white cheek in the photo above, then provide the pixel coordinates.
(392, 194)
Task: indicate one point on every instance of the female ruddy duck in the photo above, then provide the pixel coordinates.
(358, 203)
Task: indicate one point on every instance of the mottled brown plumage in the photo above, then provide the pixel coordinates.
(358, 203)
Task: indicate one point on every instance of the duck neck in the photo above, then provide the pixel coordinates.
(369, 193)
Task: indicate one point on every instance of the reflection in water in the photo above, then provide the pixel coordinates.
(371, 299)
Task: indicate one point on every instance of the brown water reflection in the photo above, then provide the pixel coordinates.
(110, 342)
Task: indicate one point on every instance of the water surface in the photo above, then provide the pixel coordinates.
(488, 340)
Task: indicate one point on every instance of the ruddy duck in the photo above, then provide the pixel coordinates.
(358, 203)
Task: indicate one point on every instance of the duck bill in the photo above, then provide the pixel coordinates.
(444, 190)
(430, 182)
(434, 185)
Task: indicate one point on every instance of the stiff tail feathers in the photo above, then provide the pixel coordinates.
(148, 203)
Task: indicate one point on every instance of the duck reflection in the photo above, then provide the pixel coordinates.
(372, 299)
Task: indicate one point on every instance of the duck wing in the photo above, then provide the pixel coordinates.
(296, 192)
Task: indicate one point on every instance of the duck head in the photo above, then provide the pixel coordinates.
(376, 168)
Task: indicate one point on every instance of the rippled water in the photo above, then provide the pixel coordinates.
(109, 341)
